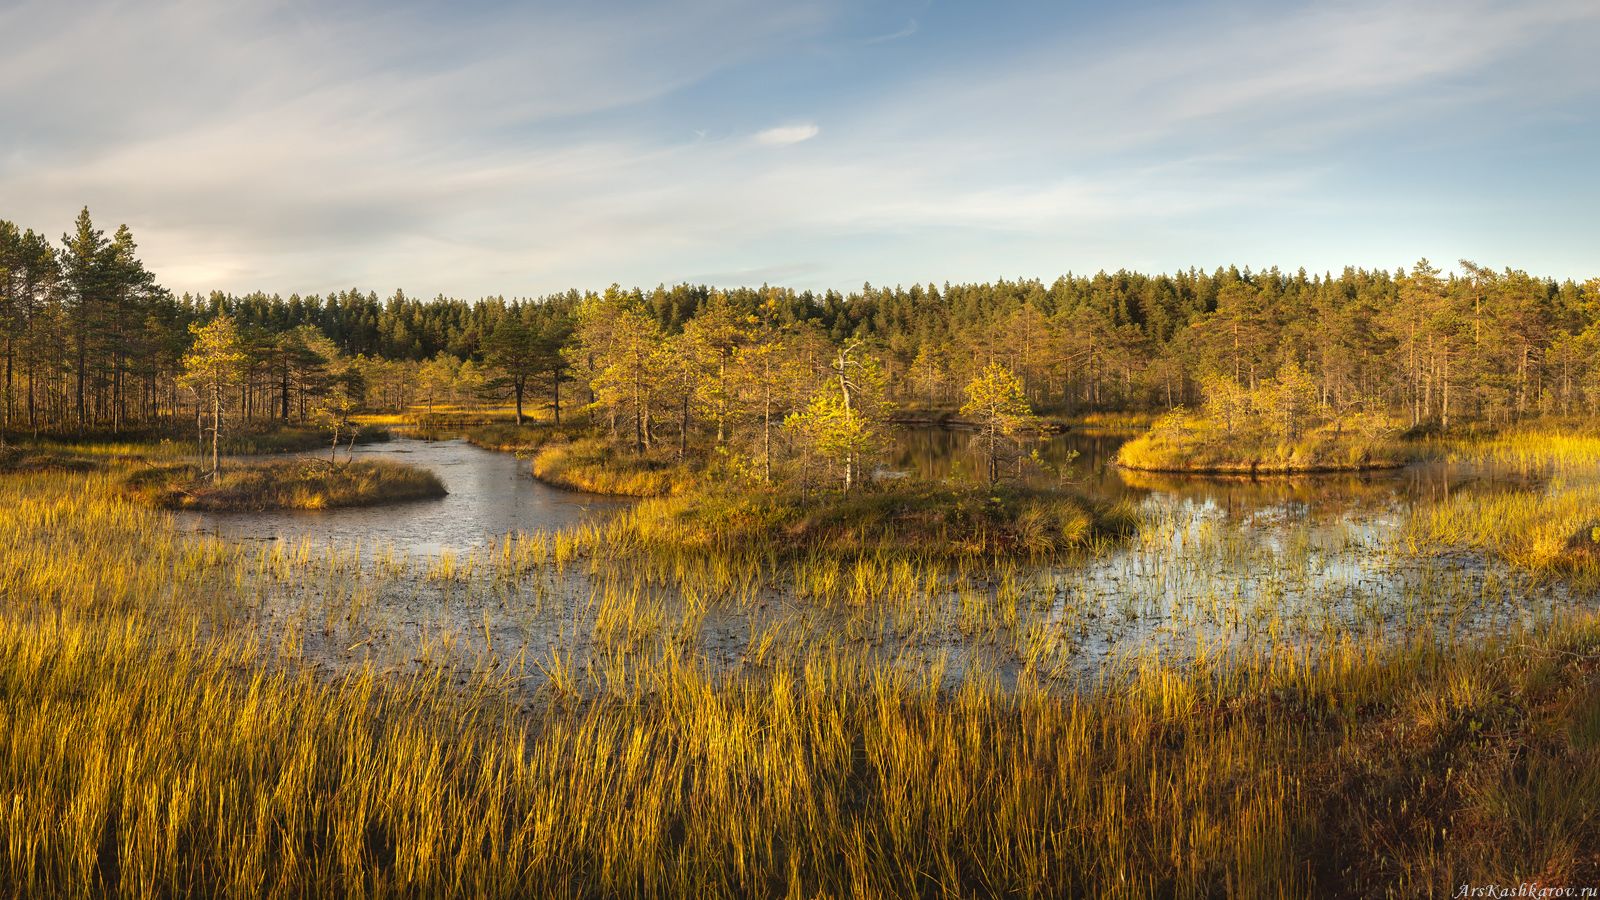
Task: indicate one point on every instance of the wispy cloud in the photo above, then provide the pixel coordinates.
(787, 134)
(909, 29)
(527, 148)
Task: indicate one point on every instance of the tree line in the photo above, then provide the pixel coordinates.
(92, 343)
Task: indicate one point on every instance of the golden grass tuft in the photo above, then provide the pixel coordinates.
(1184, 443)
(593, 466)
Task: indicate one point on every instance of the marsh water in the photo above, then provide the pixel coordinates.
(490, 494)
(494, 494)
(1219, 563)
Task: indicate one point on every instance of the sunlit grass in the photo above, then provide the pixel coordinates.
(1531, 448)
(1182, 442)
(595, 466)
(158, 739)
(1555, 528)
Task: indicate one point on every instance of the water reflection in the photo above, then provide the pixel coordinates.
(1085, 462)
(491, 494)
(1221, 566)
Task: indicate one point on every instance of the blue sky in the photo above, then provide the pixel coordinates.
(518, 148)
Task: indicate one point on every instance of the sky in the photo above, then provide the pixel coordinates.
(518, 149)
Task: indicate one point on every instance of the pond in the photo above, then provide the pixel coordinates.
(1084, 461)
(1238, 562)
(1221, 566)
(491, 494)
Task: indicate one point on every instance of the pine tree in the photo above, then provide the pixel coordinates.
(211, 368)
(996, 402)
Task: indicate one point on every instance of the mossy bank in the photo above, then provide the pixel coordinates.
(285, 484)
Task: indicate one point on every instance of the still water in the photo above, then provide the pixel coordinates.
(1220, 565)
(491, 494)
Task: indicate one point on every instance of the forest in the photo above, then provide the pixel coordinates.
(1188, 584)
(94, 345)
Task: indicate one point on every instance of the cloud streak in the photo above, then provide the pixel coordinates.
(787, 134)
(525, 149)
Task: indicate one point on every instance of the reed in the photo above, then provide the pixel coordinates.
(1551, 529)
(160, 739)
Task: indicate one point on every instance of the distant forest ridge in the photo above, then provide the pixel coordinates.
(89, 337)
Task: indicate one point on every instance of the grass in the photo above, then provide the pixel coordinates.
(923, 519)
(167, 729)
(1557, 446)
(508, 437)
(1181, 442)
(198, 764)
(1398, 775)
(443, 416)
(1113, 423)
(290, 484)
(1555, 529)
(594, 466)
(16, 458)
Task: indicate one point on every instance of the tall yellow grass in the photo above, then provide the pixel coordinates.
(152, 743)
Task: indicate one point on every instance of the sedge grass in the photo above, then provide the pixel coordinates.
(1553, 529)
(1185, 443)
(595, 466)
(153, 745)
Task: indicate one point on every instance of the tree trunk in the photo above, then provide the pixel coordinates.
(683, 429)
(216, 430)
(766, 436)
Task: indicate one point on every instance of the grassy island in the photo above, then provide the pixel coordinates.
(26, 459)
(1194, 444)
(932, 520)
(1277, 428)
(285, 484)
